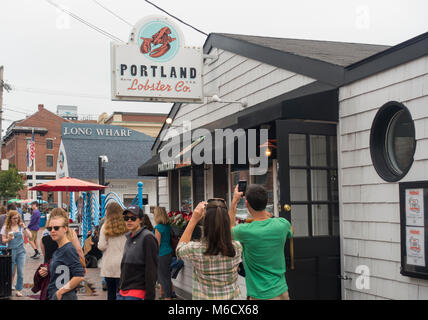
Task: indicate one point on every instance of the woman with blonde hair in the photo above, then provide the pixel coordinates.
(162, 232)
(48, 245)
(12, 234)
(65, 265)
(112, 242)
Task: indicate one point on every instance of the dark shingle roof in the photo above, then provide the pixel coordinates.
(125, 154)
(337, 53)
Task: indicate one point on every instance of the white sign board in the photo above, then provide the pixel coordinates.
(156, 66)
(415, 207)
(415, 245)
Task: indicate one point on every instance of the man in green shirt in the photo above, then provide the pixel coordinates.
(263, 242)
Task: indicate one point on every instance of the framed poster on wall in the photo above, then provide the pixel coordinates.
(414, 224)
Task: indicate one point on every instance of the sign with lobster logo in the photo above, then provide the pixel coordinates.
(155, 65)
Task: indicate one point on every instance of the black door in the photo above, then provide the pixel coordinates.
(307, 156)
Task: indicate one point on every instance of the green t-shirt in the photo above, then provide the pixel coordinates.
(264, 261)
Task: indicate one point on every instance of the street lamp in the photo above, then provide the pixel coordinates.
(101, 174)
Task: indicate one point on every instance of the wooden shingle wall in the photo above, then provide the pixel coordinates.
(370, 214)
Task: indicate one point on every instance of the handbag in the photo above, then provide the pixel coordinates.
(174, 242)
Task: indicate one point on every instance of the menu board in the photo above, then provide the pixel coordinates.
(413, 201)
(415, 207)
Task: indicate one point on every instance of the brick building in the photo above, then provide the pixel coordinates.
(47, 137)
(148, 123)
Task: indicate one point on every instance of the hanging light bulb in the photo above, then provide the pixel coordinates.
(268, 152)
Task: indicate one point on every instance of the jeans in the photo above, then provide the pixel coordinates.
(120, 297)
(164, 274)
(112, 287)
(18, 260)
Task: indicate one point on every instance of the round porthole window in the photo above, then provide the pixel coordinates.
(392, 141)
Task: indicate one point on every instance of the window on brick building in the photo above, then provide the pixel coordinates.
(49, 161)
(49, 144)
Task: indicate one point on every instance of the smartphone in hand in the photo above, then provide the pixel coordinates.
(242, 186)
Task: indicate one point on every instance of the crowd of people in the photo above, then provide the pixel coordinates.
(136, 255)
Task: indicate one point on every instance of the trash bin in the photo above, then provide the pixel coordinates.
(42, 222)
(5, 273)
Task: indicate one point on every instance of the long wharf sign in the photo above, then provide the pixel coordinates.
(107, 132)
(155, 65)
(101, 132)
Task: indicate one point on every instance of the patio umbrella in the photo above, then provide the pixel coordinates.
(15, 200)
(28, 200)
(68, 184)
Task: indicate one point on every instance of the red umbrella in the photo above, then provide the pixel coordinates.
(68, 184)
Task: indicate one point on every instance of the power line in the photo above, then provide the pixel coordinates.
(59, 93)
(18, 108)
(189, 25)
(103, 32)
(15, 111)
(108, 10)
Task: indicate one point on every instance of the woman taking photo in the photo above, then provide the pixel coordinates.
(216, 258)
(65, 269)
(162, 233)
(112, 242)
(12, 234)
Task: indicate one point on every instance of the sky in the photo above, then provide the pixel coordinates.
(52, 59)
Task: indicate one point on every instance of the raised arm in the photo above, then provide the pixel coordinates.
(197, 215)
(232, 210)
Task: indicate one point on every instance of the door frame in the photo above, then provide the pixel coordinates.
(283, 129)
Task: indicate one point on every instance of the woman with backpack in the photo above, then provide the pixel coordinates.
(112, 242)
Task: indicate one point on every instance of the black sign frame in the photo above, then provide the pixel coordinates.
(408, 270)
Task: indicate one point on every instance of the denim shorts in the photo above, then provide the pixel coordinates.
(71, 295)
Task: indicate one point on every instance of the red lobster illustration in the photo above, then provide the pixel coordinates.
(162, 37)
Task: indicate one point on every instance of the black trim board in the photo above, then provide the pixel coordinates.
(404, 52)
(316, 69)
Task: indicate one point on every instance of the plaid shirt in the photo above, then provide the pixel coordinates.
(214, 277)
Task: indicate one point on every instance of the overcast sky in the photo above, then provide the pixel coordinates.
(45, 52)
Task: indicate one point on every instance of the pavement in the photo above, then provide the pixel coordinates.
(92, 276)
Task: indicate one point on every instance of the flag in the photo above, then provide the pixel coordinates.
(31, 153)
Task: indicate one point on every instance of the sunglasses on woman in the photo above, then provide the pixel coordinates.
(56, 228)
(126, 218)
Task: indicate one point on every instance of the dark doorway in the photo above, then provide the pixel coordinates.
(307, 154)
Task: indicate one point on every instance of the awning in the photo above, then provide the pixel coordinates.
(155, 167)
(150, 168)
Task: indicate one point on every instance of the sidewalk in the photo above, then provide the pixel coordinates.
(92, 276)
